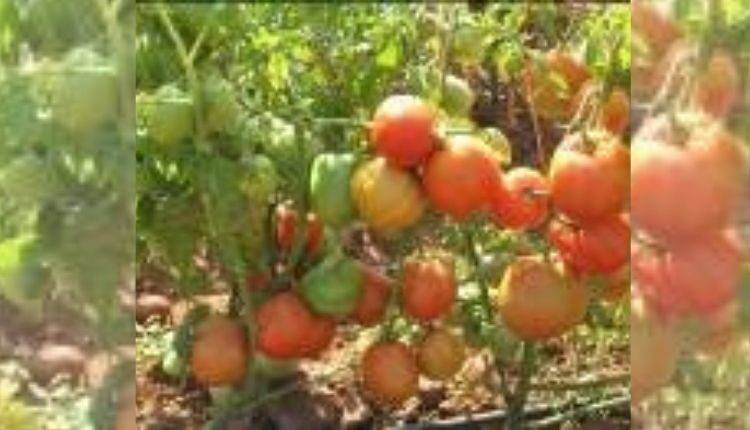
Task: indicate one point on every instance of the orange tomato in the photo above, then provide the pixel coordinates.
(461, 178)
(718, 88)
(441, 354)
(389, 372)
(402, 130)
(590, 176)
(217, 333)
(429, 288)
(376, 289)
(524, 203)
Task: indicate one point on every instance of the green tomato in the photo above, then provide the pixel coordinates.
(334, 286)
(262, 180)
(329, 188)
(169, 116)
(458, 96)
(221, 108)
(467, 44)
(84, 92)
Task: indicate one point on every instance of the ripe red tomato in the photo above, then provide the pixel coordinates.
(717, 90)
(286, 219)
(461, 178)
(441, 354)
(429, 288)
(286, 328)
(690, 156)
(598, 248)
(696, 277)
(218, 333)
(590, 176)
(389, 372)
(321, 333)
(403, 130)
(375, 294)
(524, 203)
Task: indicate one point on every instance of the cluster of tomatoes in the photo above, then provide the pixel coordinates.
(413, 167)
(689, 173)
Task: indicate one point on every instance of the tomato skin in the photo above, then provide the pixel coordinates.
(524, 203)
(429, 288)
(617, 286)
(321, 332)
(537, 302)
(389, 372)
(283, 326)
(598, 248)
(387, 198)
(334, 286)
(588, 184)
(717, 89)
(402, 130)
(695, 157)
(376, 290)
(286, 226)
(217, 333)
(695, 277)
(654, 350)
(461, 178)
(615, 112)
(441, 355)
(329, 188)
(286, 219)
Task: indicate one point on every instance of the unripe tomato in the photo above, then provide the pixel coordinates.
(590, 176)
(458, 97)
(461, 178)
(169, 116)
(329, 188)
(334, 286)
(537, 302)
(387, 198)
(217, 333)
(615, 112)
(654, 350)
(598, 248)
(220, 107)
(524, 203)
(376, 290)
(693, 277)
(429, 288)
(441, 354)
(672, 160)
(717, 90)
(467, 44)
(403, 130)
(282, 326)
(389, 372)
